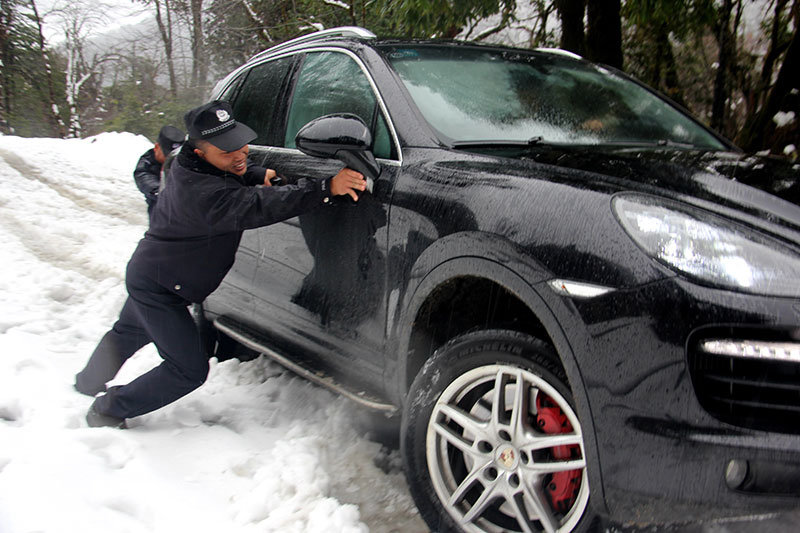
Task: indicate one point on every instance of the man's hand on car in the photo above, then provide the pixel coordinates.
(269, 176)
(348, 181)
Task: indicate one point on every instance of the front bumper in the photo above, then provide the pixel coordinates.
(681, 434)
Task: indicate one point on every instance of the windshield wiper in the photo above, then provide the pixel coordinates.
(659, 142)
(500, 143)
(675, 144)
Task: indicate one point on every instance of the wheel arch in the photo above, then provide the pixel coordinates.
(480, 259)
(455, 277)
(508, 287)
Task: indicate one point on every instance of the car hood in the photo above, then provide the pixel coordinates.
(762, 190)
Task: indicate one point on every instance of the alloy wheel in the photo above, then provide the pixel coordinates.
(505, 452)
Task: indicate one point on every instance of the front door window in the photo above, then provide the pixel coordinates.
(332, 82)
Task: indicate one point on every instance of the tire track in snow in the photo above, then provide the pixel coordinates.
(66, 257)
(70, 246)
(18, 163)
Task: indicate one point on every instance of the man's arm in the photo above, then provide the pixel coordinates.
(252, 207)
(146, 180)
(257, 175)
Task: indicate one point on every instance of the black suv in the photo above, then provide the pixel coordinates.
(582, 302)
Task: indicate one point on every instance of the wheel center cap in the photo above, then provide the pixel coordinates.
(507, 457)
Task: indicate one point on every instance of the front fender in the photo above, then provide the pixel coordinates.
(504, 264)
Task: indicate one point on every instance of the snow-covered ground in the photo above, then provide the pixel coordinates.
(254, 449)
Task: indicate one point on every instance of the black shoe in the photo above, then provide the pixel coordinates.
(87, 391)
(96, 420)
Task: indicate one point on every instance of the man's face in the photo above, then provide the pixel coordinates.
(160, 157)
(234, 162)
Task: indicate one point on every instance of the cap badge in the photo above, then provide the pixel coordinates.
(222, 115)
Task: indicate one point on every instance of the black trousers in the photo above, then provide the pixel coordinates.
(150, 314)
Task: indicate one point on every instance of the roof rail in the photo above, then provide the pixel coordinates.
(559, 51)
(342, 31)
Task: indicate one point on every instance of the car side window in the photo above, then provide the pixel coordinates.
(255, 103)
(332, 82)
(233, 89)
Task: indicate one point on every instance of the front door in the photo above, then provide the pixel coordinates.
(321, 277)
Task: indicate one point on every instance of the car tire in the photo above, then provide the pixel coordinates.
(473, 468)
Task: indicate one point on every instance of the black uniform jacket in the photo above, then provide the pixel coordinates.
(198, 221)
(147, 175)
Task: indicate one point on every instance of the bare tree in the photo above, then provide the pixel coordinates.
(507, 16)
(55, 115)
(261, 26)
(540, 35)
(165, 29)
(758, 87)
(7, 16)
(760, 129)
(726, 37)
(199, 59)
(78, 20)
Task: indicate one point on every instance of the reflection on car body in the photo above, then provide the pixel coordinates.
(581, 302)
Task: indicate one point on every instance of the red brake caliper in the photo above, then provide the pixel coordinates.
(563, 486)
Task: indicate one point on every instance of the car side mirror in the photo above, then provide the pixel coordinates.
(341, 136)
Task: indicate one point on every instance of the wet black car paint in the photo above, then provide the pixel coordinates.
(635, 394)
(347, 286)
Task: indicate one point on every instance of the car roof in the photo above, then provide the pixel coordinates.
(316, 37)
(356, 33)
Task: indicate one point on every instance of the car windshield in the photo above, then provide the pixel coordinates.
(474, 96)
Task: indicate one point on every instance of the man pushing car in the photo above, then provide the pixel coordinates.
(212, 196)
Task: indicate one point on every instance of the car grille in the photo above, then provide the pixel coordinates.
(748, 382)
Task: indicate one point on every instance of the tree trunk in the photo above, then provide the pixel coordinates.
(166, 38)
(572, 36)
(663, 70)
(757, 133)
(783, 93)
(74, 129)
(775, 48)
(54, 114)
(721, 81)
(604, 32)
(199, 64)
(76, 75)
(6, 63)
(757, 91)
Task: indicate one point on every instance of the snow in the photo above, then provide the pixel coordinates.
(255, 449)
(337, 3)
(783, 118)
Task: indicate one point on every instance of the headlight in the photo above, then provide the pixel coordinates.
(708, 247)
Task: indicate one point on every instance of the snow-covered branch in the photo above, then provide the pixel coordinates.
(337, 3)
